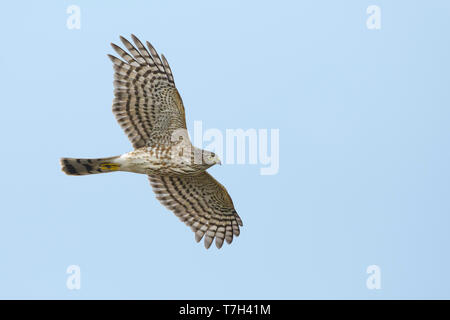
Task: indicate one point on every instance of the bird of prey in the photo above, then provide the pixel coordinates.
(149, 109)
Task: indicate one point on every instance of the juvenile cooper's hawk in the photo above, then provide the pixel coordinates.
(149, 108)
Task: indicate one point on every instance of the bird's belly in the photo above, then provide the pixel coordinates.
(152, 164)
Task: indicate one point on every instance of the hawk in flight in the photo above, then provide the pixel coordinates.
(149, 108)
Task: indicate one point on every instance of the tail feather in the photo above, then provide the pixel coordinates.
(79, 167)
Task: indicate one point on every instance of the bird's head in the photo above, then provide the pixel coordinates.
(211, 158)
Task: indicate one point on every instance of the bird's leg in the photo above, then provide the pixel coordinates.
(109, 166)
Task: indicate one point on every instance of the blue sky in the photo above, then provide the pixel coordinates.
(364, 150)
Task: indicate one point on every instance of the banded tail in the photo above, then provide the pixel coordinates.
(79, 167)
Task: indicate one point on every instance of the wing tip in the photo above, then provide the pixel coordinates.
(134, 38)
(125, 41)
(149, 45)
(208, 241)
(111, 57)
(219, 242)
(198, 236)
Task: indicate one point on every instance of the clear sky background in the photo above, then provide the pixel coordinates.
(364, 173)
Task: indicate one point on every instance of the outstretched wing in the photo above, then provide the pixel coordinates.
(146, 104)
(202, 203)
